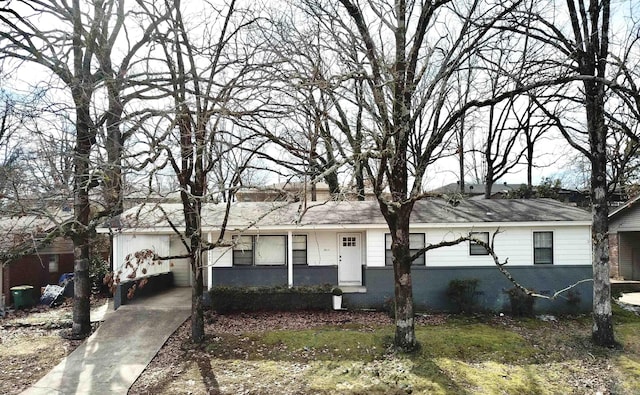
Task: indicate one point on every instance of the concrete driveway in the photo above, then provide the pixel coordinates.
(632, 298)
(113, 357)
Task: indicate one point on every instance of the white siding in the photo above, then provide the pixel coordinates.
(127, 244)
(375, 247)
(571, 246)
(458, 255)
(321, 248)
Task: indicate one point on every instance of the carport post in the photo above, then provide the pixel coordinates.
(209, 268)
(290, 258)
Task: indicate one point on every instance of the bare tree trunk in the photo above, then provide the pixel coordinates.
(81, 326)
(602, 332)
(398, 221)
(197, 290)
(405, 338)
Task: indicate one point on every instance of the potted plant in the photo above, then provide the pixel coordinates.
(337, 298)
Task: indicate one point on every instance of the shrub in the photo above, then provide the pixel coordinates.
(521, 302)
(279, 298)
(462, 294)
(98, 270)
(573, 300)
(336, 291)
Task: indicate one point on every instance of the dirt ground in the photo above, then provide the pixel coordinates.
(30, 345)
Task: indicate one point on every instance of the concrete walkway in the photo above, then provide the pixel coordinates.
(113, 357)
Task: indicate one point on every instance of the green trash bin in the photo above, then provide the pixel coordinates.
(22, 296)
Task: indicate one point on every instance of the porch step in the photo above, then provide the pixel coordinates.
(623, 286)
(353, 289)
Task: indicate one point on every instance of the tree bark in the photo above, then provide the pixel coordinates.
(81, 326)
(398, 221)
(602, 332)
(197, 314)
(405, 337)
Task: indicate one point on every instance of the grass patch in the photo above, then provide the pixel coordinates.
(629, 374)
(473, 342)
(388, 376)
(303, 345)
(464, 355)
(622, 316)
(498, 378)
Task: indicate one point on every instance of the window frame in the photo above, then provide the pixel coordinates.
(294, 250)
(473, 244)
(241, 249)
(388, 256)
(550, 248)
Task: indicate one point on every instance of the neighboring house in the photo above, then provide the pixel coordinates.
(44, 266)
(624, 241)
(348, 244)
(498, 190)
(504, 190)
(297, 191)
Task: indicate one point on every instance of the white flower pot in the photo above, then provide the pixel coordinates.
(337, 302)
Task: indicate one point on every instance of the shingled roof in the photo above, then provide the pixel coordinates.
(435, 211)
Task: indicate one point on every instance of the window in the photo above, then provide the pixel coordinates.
(299, 249)
(243, 250)
(259, 250)
(416, 242)
(475, 248)
(53, 264)
(543, 248)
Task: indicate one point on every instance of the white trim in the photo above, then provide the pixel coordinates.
(290, 258)
(554, 257)
(209, 265)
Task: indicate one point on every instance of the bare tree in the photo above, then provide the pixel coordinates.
(407, 59)
(77, 46)
(583, 54)
(206, 83)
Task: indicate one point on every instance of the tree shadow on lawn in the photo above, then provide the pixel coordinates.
(208, 377)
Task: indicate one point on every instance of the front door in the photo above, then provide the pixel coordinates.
(349, 259)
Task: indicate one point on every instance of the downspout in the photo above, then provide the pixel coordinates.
(209, 264)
